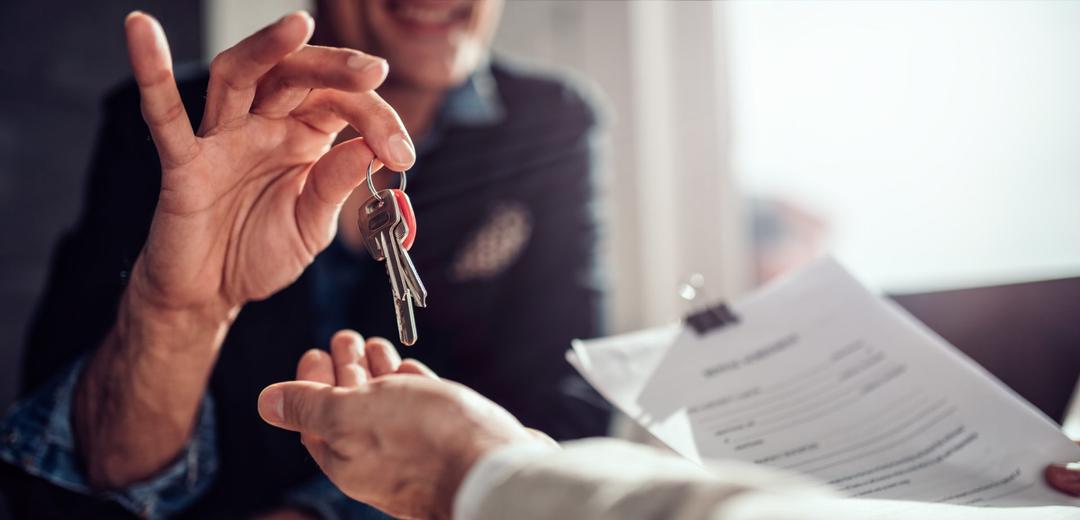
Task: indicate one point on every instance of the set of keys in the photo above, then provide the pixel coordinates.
(389, 229)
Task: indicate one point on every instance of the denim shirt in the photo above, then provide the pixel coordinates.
(37, 435)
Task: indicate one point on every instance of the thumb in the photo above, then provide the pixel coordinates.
(1064, 478)
(299, 406)
(329, 183)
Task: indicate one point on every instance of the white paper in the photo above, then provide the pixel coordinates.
(822, 377)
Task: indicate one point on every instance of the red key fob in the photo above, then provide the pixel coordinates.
(407, 215)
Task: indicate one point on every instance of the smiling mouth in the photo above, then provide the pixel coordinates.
(427, 14)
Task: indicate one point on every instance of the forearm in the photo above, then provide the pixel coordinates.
(137, 400)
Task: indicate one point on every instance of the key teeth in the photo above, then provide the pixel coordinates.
(418, 300)
(406, 320)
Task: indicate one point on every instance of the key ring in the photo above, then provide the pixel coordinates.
(371, 184)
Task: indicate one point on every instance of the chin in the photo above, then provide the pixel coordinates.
(430, 18)
(432, 43)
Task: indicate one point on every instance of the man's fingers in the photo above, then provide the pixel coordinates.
(331, 180)
(412, 366)
(1064, 478)
(236, 71)
(382, 357)
(350, 364)
(374, 119)
(316, 366)
(300, 406)
(288, 83)
(161, 105)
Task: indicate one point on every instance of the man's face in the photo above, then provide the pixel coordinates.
(428, 43)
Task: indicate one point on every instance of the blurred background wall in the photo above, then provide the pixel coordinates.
(60, 58)
(937, 139)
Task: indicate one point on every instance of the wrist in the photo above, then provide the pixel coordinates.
(142, 321)
(138, 397)
(146, 308)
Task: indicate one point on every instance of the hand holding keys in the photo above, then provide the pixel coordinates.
(389, 228)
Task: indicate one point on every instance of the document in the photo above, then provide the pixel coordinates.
(823, 377)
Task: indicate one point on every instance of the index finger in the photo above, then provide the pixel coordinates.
(383, 358)
(316, 365)
(162, 107)
(373, 118)
(350, 364)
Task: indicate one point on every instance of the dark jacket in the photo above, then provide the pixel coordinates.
(501, 330)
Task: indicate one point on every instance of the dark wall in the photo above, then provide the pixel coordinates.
(59, 58)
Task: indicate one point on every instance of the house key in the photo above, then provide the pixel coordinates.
(389, 228)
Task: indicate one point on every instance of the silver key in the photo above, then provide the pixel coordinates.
(384, 229)
(403, 296)
(408, 269)
(412, 277)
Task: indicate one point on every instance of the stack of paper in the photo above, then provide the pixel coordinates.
(822, 377)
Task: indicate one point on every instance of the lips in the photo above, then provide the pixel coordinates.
(421, 14)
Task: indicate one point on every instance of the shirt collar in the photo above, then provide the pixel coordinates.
(475, 102)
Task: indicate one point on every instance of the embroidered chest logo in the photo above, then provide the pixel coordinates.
(495, 245)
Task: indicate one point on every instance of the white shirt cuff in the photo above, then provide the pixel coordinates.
(490, 471)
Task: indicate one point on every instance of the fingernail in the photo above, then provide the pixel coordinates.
(301, 12)
(1069, 467)
(401, 150)
(361, 62)
(273, 405)
(1065, 476)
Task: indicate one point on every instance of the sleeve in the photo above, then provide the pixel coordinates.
(38, 438)
(554, 292)
(491, 471)
(607, 479)
(86, 279)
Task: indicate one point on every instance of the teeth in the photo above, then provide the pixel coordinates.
(426, 16)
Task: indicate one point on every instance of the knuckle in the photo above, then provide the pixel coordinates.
(160, 77)
(166, 116)
(294, 408)
(222, 70)
(220, 64)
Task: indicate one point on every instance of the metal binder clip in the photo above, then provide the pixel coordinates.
(710, 318)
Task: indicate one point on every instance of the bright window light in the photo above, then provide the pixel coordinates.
(940, 140)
